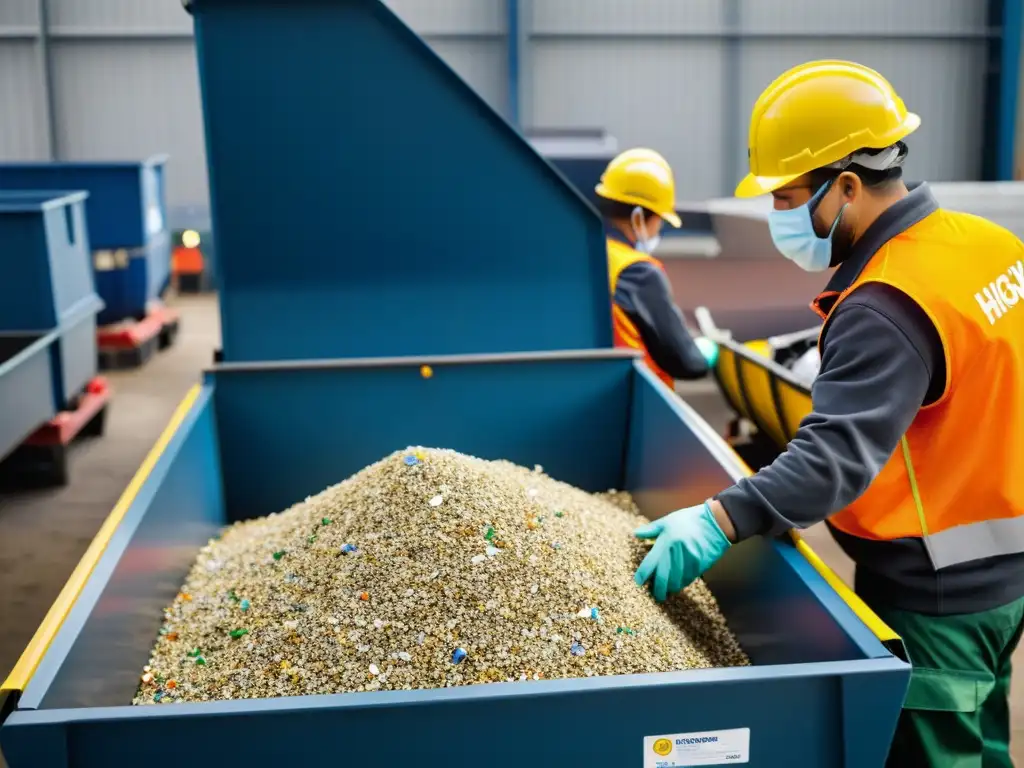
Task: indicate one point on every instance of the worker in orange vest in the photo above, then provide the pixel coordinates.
(914, 449)
(636, 194)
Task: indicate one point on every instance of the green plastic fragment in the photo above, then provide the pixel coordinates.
(233, 596)
(624, 630)
(325, 521)
(312, 539)
(195, 653)
(559, 513)
(490, 533)
(237, 633)
(279, 554)
(201, 661)
(163, 631)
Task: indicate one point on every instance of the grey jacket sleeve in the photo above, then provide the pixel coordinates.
(878, 360)
(643, 293)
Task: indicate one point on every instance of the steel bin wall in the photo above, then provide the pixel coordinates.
(27, 375)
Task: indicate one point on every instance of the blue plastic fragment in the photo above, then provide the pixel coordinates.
(577, 649)
(411, 460)
(458, 655)
(595, 614)
(349, 549)
(244, 605)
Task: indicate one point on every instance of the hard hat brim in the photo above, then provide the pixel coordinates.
(672, 218)
(755, 186)
(607, 194)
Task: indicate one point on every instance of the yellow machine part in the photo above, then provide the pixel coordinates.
(760, 391)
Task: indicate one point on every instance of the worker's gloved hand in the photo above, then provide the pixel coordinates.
(689, 542)
(709, 349)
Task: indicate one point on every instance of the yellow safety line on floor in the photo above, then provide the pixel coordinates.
(40, 642)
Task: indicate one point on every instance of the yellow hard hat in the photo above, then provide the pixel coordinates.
(817, 114)
(641, 177)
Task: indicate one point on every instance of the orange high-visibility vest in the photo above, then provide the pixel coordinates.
(957, 478)
(624, 331)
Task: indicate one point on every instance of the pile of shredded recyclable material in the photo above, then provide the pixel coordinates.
(427, 569)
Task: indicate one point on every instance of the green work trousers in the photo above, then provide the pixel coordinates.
(957, 711)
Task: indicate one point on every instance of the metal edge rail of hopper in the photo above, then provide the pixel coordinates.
(25, 667)
(27, 664)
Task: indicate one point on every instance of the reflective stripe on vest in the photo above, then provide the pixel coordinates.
(966, 542)
(624, 332)
(956, 481)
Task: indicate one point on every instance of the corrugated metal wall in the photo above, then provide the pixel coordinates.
(120, 77)
(678, 76)
(682, 76)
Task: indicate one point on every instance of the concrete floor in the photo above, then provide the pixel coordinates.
(44, 533)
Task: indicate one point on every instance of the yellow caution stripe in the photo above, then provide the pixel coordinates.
(880, 629)
(40, 642)
(760, 347)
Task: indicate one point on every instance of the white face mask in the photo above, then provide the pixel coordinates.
(648, 245)
(644, 243)
(793, 233)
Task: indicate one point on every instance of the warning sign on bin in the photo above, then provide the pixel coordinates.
(681, 750)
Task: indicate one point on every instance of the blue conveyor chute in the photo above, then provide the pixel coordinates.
(374, 216)
(380, 207)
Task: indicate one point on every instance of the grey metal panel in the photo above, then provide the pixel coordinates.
(627, 16)
(23, 133)
(19, 14)
(481, 63)
(941, 81)
(129, 100)
(111, 16)
(864, 16)
(450, 17)
(657, 93)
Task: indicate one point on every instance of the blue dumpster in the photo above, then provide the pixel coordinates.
(48, 283)
(27, 376)
(127, 216)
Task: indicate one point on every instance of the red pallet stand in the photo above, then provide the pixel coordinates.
(131, 343)
(43, 455)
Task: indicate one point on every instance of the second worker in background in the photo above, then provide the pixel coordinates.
(636, 194)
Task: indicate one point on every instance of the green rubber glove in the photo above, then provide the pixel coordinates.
(689, 541)
(709, 349)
